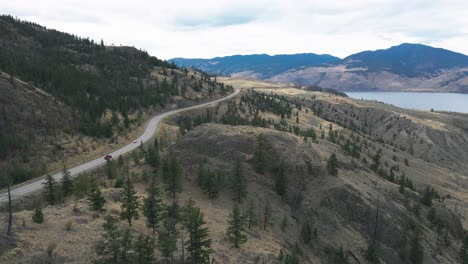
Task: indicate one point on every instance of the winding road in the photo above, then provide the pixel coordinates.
(150, 131)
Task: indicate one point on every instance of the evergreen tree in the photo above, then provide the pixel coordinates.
(238, 181)
(416, 250)
(235, 231)
(174, 177)
(259, 154)
(199, 243)
(340, 257)
(294, 257)
(280, 179)
(67, 184)
(306, 232)
(464, 250)
(376, 161)
(251, 215)
(130, 203)
(211, 184)
(95, 198)
(50, 190)
(109, 249)
(152, 205)
(267, 214)
(284, 223)
(152, 157)
(167, 237)
(332, 165)
(144, 250)
(201, 173)
(38, 216)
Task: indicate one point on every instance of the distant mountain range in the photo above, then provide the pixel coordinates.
(406, 67)
(262, 66)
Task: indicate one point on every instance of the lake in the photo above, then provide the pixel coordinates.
(453, 102)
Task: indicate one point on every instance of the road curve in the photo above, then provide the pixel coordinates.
(150, 130)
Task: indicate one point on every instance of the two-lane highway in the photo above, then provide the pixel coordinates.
(151, 128)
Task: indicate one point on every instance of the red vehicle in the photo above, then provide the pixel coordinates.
(108, 157)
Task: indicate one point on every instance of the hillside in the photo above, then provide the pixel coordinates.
(66, 99)
(393, 198)
(406, 67)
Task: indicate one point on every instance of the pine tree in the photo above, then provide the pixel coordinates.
(152, 205)
(201, 173)
(376, 160)
(109, 249)
(50, 190)
(199, 243)
(95, 198)
(130, 203)
(167, 235)
(144, 250)
(280, 180)
(67, 184)
(152, 157)
(174, 177)
(259, 155)
(238, 182)
(332, 165)
(235, 231)
(38, 216)
(251, 215)
(464, 250)
(267, 214)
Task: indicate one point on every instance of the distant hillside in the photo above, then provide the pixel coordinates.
(262, 66)
(407, 59)
(406, 67)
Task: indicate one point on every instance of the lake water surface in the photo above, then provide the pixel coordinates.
(453, 102)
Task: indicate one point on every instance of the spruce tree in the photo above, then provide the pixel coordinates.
(280, 179)
(332, 165)
(95, 198)
(152, 205)
(236, 231)
(199, 244)
(238, 181)
(50, 190)
(67, 184)
(259, 155)
(130, 203)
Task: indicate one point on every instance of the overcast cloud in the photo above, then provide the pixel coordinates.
(205, 29)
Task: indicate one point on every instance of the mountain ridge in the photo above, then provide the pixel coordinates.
(405, 67)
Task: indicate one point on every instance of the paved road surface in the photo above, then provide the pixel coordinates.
(150, 130)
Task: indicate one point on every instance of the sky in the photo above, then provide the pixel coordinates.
(212, 28)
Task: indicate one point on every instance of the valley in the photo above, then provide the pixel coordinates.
(110, 155)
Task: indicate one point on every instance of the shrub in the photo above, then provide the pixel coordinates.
(38, 216)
